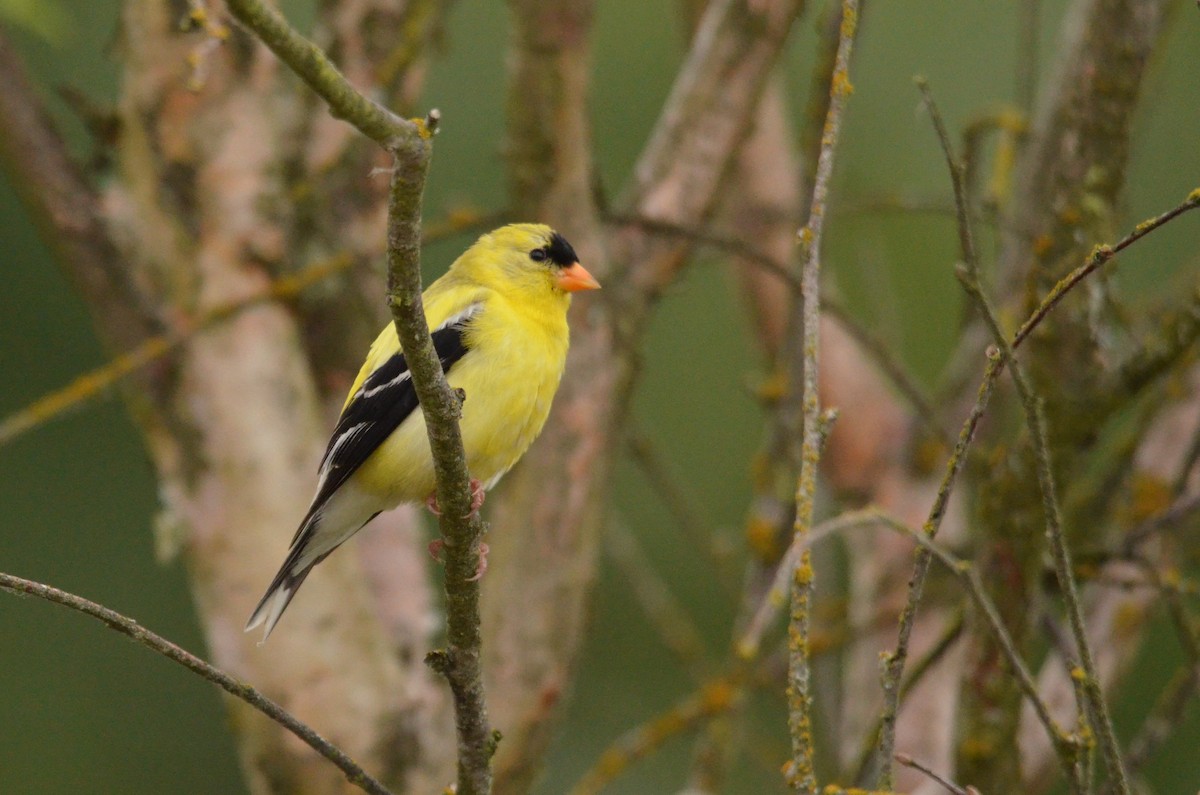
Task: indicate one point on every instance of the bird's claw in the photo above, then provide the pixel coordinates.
(477, 496)
(438, 544)
(481, 569)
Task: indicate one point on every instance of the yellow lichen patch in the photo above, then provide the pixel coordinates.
(1078, 674)
(422, 129)
(849, 21)
(841, 84)
(1102, 252)
(804, 572)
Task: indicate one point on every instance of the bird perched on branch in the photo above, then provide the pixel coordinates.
(498, 319)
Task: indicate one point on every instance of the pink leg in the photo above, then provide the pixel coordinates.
(435, 548)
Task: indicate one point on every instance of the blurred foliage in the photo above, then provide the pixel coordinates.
(86, 712)
(44, 18)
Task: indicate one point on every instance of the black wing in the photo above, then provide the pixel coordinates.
(383, 401)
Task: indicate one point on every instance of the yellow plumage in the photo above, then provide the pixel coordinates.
(499, 317)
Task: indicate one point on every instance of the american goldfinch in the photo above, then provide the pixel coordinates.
(499, 324)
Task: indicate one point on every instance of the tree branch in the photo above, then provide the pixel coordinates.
(969, 276)
(410, 146)
(127, 626)
(65, 208)
(312, 66)
(802, 775)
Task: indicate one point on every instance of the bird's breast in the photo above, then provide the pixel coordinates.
(509, 380)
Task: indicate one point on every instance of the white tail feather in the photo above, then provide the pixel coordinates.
(272, 607)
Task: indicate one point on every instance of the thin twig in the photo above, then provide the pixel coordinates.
(969, 577)
(872, 344)
(311, 64)
(888, 361)
(969, 276)
(802, 775)
(1169, 710)
(728, 245)
(410, 144)
(775, 598)
(94, 382)
(951, 633)
(66, 208)
(896, 659)
(1178, 511)
(1099, 256)
(662, 609)
(714, 698)
(908, 761)
(678, 502)
(127, 626)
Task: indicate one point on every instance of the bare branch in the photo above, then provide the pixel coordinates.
(93, 383)
(410, 145)
(311, 64)
(908, 761)
(65, 208)
(127, 626)
(1100, 255)
(969, 276)
(802, 775)
(715, 697)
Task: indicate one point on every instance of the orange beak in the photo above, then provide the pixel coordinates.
(575, 278)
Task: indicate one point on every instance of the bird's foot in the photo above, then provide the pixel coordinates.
(432, 504)
(438, 544)
(477, 496)
(482, 567)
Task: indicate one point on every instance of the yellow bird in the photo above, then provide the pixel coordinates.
(499, 324)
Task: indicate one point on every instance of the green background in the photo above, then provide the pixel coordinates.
(84, 711)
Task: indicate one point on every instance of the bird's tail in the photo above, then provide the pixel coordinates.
(321, 532)
(279, 594)
(289, 578)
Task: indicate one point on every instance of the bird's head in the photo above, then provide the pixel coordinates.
(530, 259)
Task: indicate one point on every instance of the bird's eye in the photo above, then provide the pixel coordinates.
(538, 255)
